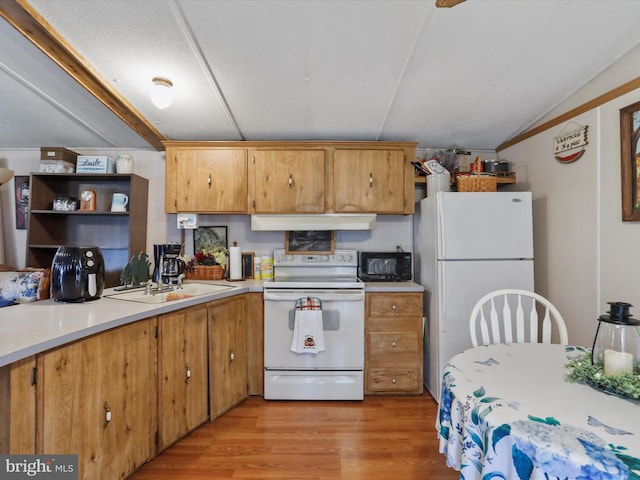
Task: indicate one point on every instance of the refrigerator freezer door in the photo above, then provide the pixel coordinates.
(484, 225)
(460, 285)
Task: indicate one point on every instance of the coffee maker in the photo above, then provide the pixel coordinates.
(168, 265)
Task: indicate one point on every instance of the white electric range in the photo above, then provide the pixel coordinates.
(337, 372)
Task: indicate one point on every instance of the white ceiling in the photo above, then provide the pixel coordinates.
(471, 76)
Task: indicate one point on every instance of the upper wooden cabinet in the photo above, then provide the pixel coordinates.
(290, 177)
(286, 181)
(369, 181)
(206, 180)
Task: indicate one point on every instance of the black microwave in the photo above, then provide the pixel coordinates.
(384, 266)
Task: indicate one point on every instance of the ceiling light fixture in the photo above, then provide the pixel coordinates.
(161, 94)
(5, 175)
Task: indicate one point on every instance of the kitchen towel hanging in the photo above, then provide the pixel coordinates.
(308, 333)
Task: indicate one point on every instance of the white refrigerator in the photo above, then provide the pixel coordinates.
(465, 246)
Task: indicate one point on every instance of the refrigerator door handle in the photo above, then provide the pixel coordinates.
(440, 243)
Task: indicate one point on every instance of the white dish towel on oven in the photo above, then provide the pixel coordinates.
(308, 335)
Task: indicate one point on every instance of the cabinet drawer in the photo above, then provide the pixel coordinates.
(392, 342)
(395, 304)
(393, 380)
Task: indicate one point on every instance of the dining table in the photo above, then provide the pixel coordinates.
(508, 411)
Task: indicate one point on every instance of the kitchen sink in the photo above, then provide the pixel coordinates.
(189, 290)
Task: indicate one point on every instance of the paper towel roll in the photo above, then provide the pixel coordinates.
(235, 263)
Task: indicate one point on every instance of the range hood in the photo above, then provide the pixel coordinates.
(327, 221)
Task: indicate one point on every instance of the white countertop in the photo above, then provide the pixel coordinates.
(32, 328)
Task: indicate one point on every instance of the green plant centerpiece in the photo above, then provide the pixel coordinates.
(582, 370)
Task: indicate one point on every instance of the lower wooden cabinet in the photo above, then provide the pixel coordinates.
(255, 342)
(228, 364)
(394, 343)
(18, 407)
(183, 373)
(98, 400)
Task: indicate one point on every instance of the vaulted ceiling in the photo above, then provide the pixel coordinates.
(471, 76)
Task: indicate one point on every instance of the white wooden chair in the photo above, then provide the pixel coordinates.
(499, 313)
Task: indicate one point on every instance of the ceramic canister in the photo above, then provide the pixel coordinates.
(124, 164)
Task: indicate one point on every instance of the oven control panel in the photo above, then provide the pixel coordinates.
(338, 258)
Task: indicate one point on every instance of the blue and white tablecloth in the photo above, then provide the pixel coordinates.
(507, 412)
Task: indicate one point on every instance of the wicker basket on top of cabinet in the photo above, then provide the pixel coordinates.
(393, 343)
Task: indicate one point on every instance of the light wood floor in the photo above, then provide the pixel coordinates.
(382, 437)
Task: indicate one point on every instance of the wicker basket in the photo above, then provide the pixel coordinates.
(205, 272)
(477, 183)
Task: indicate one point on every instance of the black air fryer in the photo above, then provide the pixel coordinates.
(77, 274)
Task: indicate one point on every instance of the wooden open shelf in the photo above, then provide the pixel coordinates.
(502, 180)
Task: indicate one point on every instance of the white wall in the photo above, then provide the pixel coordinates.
(585, 255)
(391, 230)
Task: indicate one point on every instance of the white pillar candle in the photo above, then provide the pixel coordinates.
(617, 363)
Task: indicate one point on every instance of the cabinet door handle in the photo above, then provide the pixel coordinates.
(209, 181)
(107, 415)
(187, 374)
(394, 344)
(291, 180)
(393, 380)
(232, 356)
(371, 180)
(394, 308)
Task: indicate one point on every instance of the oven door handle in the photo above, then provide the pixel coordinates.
(324, 295)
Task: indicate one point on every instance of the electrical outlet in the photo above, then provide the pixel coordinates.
(187, 220)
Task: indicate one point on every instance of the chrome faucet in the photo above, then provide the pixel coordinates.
(179, 281)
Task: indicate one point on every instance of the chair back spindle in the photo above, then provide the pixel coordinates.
(519, 311)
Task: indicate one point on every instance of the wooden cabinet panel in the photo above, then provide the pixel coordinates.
(183, 373)
(395, 304)
(394, 343)
(255, 342)
(99, 400)
(287, 181)
(18, 407)
(370, 181)
(228, 364)
(393, 379)
(290, 177)
(210, 180)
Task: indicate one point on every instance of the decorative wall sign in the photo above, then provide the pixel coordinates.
(569, 145)
(630, 157)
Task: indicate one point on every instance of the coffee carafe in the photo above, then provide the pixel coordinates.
(168, 265)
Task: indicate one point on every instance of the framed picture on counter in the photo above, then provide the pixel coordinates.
(247, 265)
(630, 153)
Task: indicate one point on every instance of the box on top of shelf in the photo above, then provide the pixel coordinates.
(95, 164)
(58, 153)
(57, 160)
